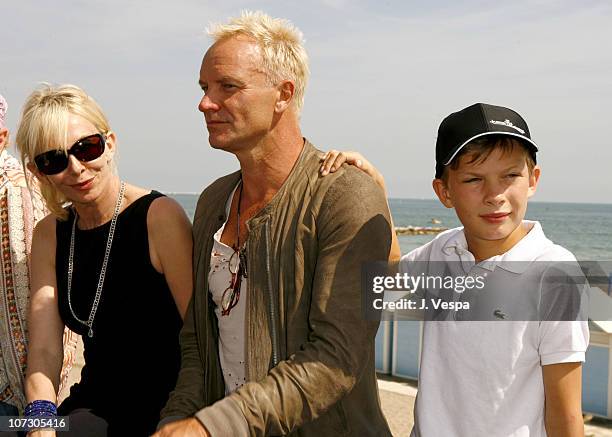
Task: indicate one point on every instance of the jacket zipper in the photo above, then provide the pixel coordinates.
(271, 299)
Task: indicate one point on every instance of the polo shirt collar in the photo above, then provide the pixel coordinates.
(516, 260)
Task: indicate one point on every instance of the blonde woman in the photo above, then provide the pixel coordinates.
(112, 262)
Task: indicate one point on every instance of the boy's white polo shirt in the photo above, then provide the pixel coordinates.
(485, 378)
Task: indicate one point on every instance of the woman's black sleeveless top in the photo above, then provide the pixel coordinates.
(132, 360)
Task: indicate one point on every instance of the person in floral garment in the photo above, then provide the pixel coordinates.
(21, 206)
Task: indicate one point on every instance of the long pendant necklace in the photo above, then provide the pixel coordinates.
(241, 250)
(109, 243)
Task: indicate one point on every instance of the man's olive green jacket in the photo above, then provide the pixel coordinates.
(309, 350)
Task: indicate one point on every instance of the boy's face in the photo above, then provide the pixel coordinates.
(490, 196)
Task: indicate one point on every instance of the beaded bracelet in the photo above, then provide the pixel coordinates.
(40, 408)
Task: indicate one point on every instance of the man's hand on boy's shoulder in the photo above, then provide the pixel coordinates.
(333, 160)
(562, 391)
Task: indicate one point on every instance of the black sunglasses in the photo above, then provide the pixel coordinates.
(86, 149)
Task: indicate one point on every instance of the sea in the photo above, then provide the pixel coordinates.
(583, 228)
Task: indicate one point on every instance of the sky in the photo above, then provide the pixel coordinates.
(383, 76)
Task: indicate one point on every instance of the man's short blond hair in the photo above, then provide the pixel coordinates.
(281, 43)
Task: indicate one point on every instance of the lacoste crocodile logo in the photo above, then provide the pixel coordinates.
(499, 314)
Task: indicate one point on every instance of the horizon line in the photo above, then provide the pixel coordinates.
(187, 193)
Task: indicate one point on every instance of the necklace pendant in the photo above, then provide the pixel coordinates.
(90, 333)
(243, 261)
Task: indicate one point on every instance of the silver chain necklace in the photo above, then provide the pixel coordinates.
(109, 243)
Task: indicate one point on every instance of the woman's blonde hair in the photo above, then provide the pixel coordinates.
(44, 126)
(281, 43)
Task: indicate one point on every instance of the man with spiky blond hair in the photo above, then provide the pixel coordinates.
(274, 342)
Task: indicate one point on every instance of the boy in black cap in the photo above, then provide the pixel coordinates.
(483, 378)
(509, 378)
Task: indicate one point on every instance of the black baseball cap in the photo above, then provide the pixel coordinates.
(478, 120)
